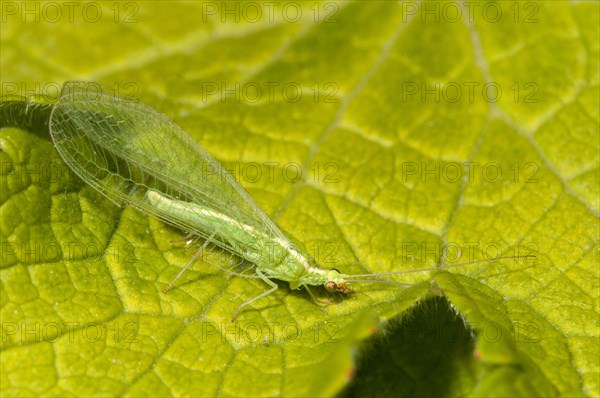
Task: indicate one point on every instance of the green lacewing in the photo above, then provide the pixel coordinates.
(136, 156)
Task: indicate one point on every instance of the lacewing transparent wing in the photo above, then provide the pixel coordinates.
(126, 150)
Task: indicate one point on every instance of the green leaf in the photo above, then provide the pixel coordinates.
(407, 155)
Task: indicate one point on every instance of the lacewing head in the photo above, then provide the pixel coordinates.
(336, 283)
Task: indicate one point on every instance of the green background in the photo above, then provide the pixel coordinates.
(82, 312)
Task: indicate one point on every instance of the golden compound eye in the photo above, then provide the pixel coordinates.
(331, 286)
